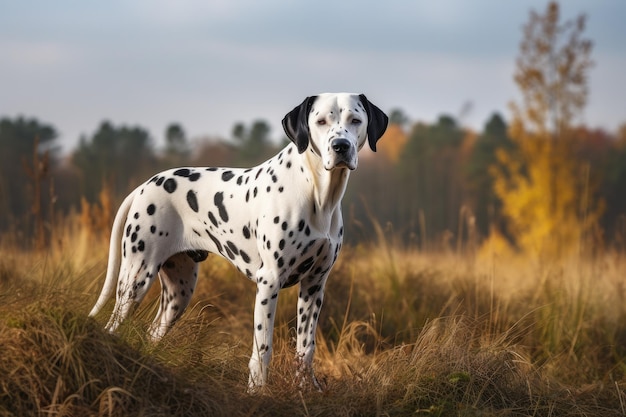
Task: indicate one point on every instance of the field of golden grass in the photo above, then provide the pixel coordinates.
(401, 333)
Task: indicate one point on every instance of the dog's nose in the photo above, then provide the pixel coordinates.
(340, 145)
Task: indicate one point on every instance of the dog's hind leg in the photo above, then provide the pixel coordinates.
(132, 287)
(178, 276)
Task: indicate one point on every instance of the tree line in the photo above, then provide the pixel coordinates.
(537, 182)
(428, 182)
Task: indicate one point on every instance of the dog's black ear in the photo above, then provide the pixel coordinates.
(377, 121)
(296, 124)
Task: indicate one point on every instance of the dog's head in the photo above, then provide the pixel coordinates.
(335, 127)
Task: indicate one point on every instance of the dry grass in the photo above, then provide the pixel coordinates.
(402, 333)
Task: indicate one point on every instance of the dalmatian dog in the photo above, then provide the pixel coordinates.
(279, 223)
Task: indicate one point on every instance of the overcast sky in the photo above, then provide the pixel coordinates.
(208, 64)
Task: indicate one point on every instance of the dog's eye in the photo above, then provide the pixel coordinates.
(356, 121)
(321, 122)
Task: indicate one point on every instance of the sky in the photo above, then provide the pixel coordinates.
(208, 64)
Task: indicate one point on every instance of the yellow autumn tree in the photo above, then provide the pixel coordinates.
(392, 142)
(543, 186)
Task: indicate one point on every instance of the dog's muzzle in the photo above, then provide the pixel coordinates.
(344, 153)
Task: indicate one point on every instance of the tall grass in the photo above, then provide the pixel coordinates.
(401, 333)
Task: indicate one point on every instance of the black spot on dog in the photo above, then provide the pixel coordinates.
(312, 290)
(232, 247)
(170, 185)
(213, 219)
(217, 243)
(192, 200)
(160, 181)
(183, 172)
(197, 255)
(246, 232)
(151, 209)
(128, 229)
(153, 229)
(141, 246)
(219, 203)
(305, 265)
(291, 281)
(227, 175)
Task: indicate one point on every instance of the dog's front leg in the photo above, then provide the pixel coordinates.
(264, 312)
(310, 302)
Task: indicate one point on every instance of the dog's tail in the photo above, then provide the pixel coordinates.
(115, 249)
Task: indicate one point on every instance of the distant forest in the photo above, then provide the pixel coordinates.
(430, 185)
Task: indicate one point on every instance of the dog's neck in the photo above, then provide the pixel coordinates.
(327, 187)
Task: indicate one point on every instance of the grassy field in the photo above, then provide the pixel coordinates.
(402, 333)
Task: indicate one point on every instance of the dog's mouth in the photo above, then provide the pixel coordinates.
(342, 164)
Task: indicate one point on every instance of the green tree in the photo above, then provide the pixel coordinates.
(430, 169)
(398, 117)
(613, 189)
(177, 149)
(254, 143)
(119, 157)
(28, 154)
(486, 205)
